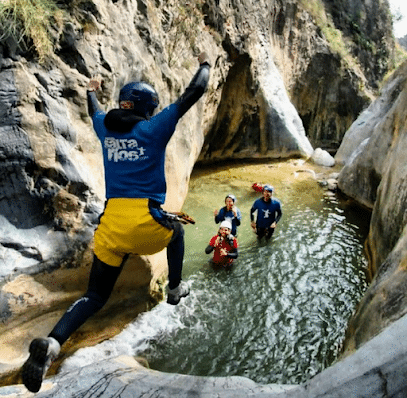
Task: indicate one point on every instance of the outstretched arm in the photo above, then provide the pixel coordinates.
(93, 104)
(196, 87)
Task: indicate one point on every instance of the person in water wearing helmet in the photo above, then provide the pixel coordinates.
(268, 213)
(224, 245)
(134, 142)
(229, 212)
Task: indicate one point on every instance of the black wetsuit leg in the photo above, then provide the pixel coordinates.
(175, 255)
(101, 282)
(176, 247)
(260, 232)
(266, 232)
(269, 232)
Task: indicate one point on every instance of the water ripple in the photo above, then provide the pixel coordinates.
(278, 316)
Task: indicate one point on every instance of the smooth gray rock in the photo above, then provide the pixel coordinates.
(322, 158)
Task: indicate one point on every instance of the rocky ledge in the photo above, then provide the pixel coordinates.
(378, 369)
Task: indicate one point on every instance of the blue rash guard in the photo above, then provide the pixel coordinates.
(134, 156)
(267, 212)
(228, 214)
(134, 161)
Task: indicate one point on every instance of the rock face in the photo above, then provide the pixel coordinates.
(367, 27)
(374, 174)
(48, 205)
(255, 114)
(403, 42)
(365, 146)
(329, 91)
(320, 74)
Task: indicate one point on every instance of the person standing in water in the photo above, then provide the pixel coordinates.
(268, 213)
(134, 142)
(229, 212)
(224, 245)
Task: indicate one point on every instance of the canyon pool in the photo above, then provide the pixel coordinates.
(280, 314)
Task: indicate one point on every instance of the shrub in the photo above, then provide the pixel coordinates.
(28, 23)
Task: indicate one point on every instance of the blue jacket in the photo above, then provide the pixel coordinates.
(224, 214)
(267, 212)
(134, 155)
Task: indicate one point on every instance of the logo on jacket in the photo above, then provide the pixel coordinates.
(119, 150)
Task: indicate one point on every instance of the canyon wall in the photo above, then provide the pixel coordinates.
(52, 177)
(286, 77)
(374, 174)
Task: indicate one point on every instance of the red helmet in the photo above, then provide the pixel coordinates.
(257, 187)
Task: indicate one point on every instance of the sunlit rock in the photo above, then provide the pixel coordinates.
(322, 158)
(375, 175)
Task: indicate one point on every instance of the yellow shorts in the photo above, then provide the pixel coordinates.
(127, 227)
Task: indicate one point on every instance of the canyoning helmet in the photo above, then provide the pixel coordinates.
(139, 97)
(226, 224)
(233, 197)
(268, 188)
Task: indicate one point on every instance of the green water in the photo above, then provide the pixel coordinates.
(280, 314)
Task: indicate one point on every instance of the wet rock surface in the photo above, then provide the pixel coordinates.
(376, 370)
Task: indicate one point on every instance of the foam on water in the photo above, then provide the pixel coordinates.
(134, 339)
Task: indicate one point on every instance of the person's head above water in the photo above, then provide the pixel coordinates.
(230, 196)
(230, 201)
(268, 188)
(267, 192)
(225, 227)
(140, 98)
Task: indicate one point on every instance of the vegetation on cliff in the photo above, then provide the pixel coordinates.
(28, 23)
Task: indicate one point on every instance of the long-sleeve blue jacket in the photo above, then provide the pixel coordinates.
(224, 214)
(134, 148)
(267, 212)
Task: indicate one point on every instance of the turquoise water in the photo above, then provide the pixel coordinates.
(280, 314)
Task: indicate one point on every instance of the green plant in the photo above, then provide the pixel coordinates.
(333, 35)
(28, 22)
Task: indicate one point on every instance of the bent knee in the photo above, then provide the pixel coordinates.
(178, 231)
(97, 300)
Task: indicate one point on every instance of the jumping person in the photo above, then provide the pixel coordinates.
(133, 143)
(224, 245)
(229, 212)
(268, 213)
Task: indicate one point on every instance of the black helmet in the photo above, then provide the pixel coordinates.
(139, 97)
